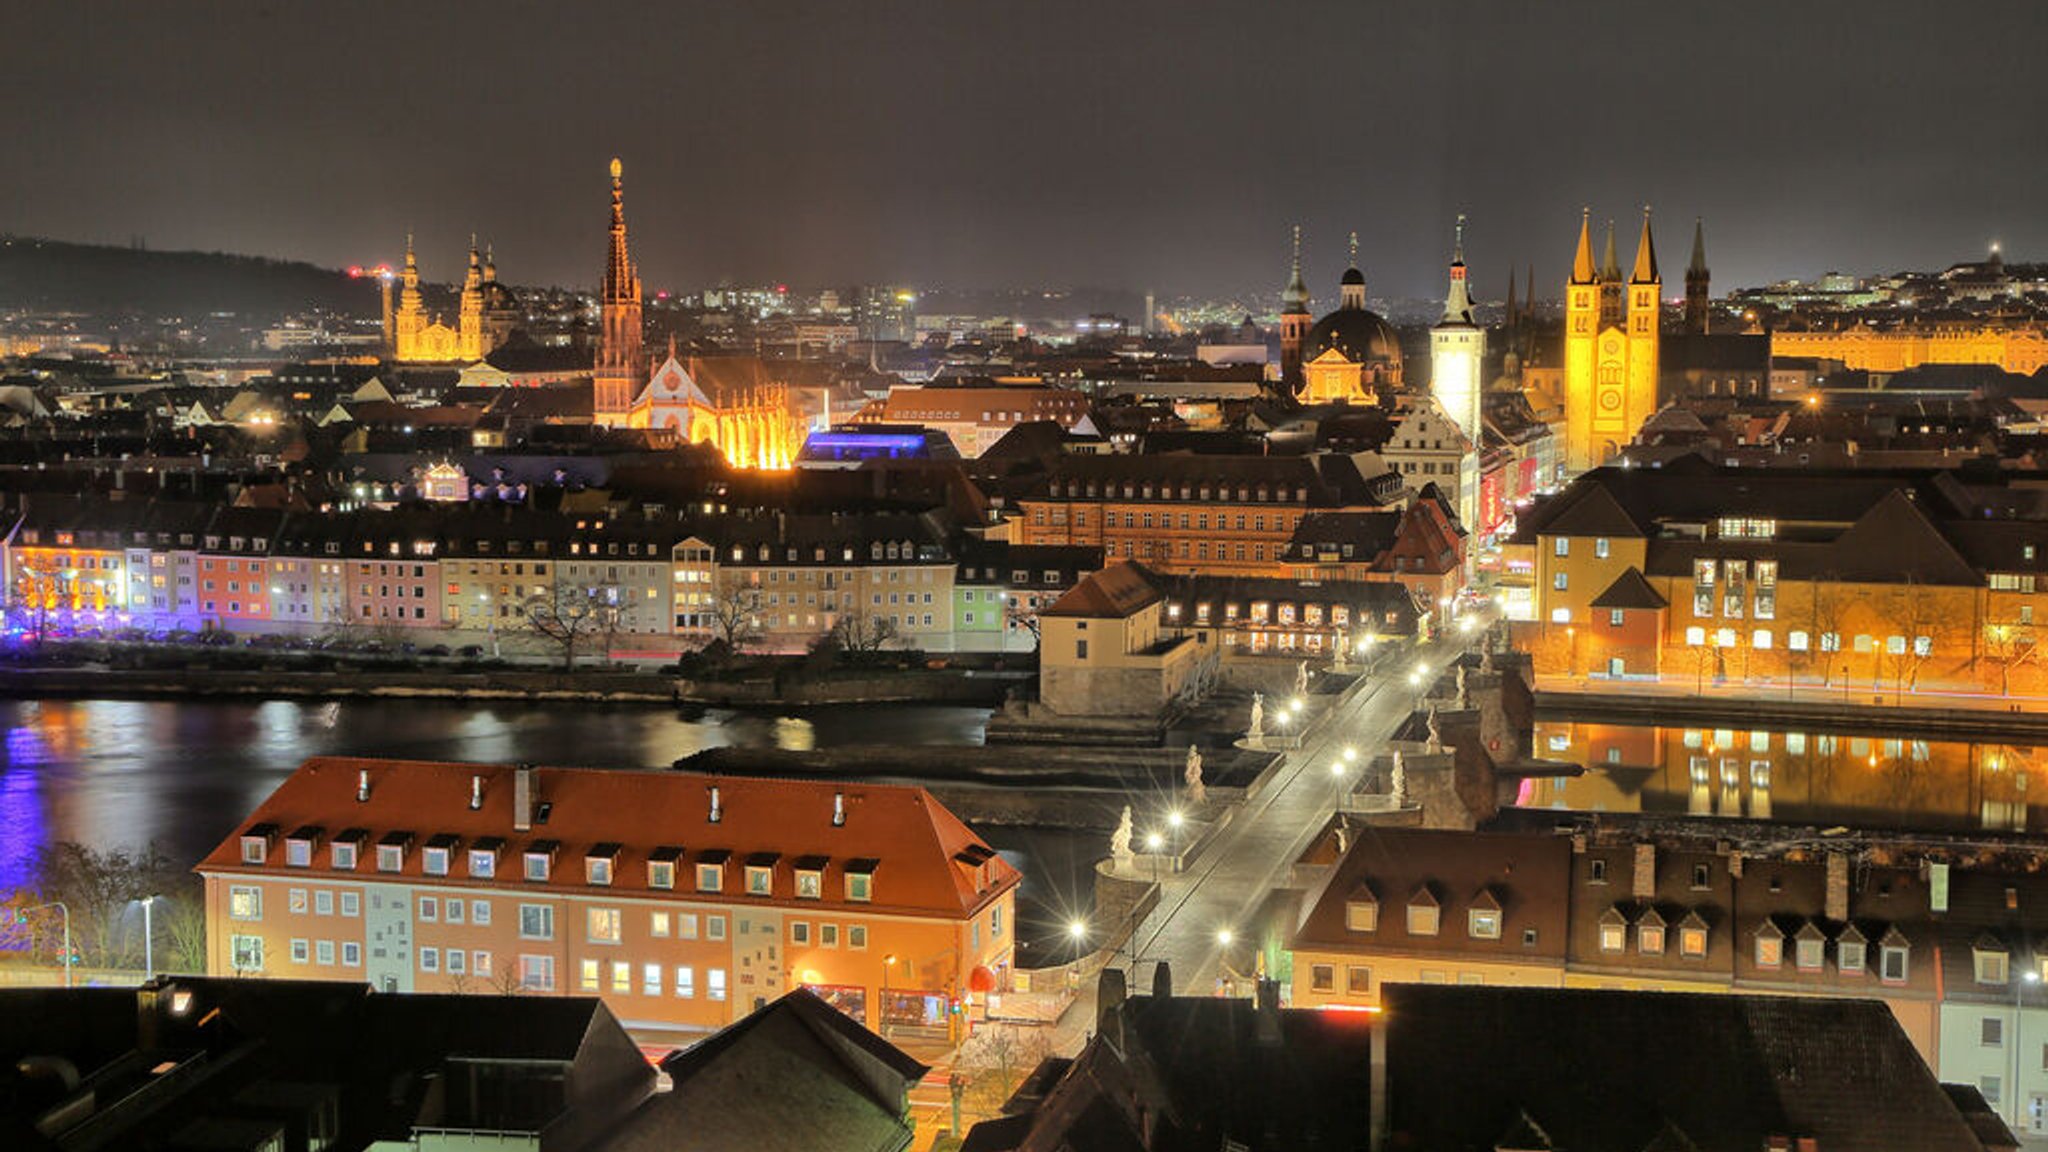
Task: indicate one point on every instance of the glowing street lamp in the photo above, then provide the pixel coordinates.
(1224, 936)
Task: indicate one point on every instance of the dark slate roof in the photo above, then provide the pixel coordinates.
(1631, 590)
(1605, 1071)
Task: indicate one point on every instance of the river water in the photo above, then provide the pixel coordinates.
(183, 774)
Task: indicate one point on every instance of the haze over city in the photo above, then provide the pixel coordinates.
(1133, 146)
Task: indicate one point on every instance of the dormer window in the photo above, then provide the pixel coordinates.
(1425, 915)
(1849, 952)
(439, 854)
(810, 877)
(1482, 920)
(483, 858)
(761, 873)
(347, 846)
(1613, 930)
(1809, 948)
(711, 871)
(1650, 933)
(391, 851)
(256, 843)
(860, 880)
(1692, 937)
(1362, 910)
(597, 866)
(1992, 962)
(661, 867)
(299, 846)
(538, 861)
(1894, 957)
(1770, 945)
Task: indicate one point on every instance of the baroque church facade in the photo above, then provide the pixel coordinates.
(487, 312)
(1350, 356)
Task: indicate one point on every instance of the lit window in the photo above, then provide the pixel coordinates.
(650, 979)
(1695, 636)
(588, 974)
(622, 977)
(710, 877)
(483, 863)
(1484, 923)
(1692, 942)
(1770, 948)
(760, 880)
(1992, 967)
(598, 870)
(1650, 939)
(658, 925)
(714, 983)
(1362, 915)
(1423, 915)
(246, 953)
(245, 903)
(809, 885)
(661, 874)
(686, 981)
(537, 973)
(601, 925)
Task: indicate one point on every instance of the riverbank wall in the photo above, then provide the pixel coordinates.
(1849, 716)
(920, 686)
(593, 686)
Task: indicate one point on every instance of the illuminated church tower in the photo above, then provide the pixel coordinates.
(411, 319)
(1294, 322)
(617, 375)
(1610, 353)
(1457, 349)
(469, 331)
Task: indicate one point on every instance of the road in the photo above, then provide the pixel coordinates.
(1223, 888)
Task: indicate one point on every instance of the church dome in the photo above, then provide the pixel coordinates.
(1359, 335)
(1353, 276)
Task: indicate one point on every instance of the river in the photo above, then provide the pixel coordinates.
(183, 774)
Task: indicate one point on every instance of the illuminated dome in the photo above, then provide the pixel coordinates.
(1358, 334)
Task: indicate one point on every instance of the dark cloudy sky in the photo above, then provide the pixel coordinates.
(1118, 143)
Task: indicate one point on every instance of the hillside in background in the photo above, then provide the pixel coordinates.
(51, 275)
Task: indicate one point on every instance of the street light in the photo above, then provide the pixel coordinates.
(148, 938)
(2019, 987)
(1224, 936)
(1077, 930)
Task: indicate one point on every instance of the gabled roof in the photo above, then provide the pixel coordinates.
(915, 838)
(794, 1075)
(1592, 512)
(1631, 590)
(1118, 592)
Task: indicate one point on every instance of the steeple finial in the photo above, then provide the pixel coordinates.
(1583, 271)
(1294, 298)
(1646, 255)
(1458, 248)
(1458, 300)
(1354, 249)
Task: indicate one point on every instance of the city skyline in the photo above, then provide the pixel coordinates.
(1165, 151)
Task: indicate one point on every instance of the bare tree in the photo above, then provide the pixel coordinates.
(861, 633)
(569, 613)
(2008, 647)
(736, 613)
(1019, 613)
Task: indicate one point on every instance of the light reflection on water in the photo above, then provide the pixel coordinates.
(123, 773)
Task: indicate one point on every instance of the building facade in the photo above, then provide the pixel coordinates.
(684, 901)
(1610, 349)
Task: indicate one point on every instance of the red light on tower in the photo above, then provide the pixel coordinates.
(355, 271)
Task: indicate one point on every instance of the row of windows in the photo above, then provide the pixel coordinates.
(1799, 640)
(1358, 978)
(538, 866)
(684, 987)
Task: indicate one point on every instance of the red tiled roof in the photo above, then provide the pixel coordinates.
(1119, 591)
(916, 849)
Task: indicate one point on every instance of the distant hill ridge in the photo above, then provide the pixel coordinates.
(104, 279)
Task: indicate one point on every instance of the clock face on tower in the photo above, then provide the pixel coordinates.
(1610, 400)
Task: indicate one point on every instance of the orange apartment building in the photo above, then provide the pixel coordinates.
(1878, 582)
(1225, 515)
(684, 900)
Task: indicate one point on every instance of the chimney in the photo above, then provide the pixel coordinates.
(717, 809)
(1644, 885)
(838, 809)
(1162, 980)
(1836, 906)
(1266, 1014)
(363, 786)
(1109, 1003)
(522, 798)
(476, 793)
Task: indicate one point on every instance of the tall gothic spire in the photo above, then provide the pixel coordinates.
(1610, 268)
(1646, 255)
(1698, 266)
(1294, 298)
(620, 282)
(1583, 271)
(1458, 301)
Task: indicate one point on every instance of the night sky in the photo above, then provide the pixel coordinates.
(1108, 143)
